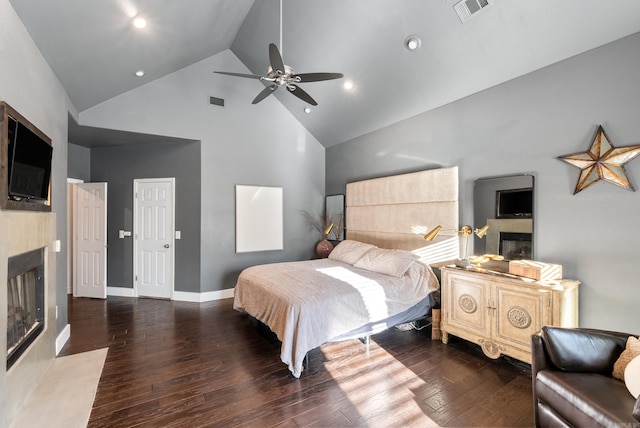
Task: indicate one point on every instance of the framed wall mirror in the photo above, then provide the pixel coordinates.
(506, 205)
(334, 213)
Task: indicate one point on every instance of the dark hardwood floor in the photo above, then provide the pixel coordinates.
(178, 364)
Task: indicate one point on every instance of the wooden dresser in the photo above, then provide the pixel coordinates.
(500, 312)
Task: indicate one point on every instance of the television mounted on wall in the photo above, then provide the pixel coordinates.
(29, 163)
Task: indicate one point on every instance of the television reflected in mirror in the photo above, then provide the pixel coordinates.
(506, 205)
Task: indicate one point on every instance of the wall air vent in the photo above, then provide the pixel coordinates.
(467, 8)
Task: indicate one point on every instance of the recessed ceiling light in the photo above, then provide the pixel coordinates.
(348, 85)
(139, 73)
(139, 22)
(412, 43)
(307, 110)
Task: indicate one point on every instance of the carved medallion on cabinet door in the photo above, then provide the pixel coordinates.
(466, 305)
(520, 313)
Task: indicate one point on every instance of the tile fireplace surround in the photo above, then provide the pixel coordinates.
(22, 231)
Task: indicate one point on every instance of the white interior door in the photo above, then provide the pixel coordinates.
(90, 249)
(154, 237)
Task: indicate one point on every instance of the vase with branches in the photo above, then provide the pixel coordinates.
(324, 226)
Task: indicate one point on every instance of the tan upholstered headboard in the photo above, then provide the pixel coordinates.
(396, 212)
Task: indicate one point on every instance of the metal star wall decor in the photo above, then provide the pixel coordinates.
(602, 162)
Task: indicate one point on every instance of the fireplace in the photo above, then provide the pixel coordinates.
(515, 245)
(25, 302)
(26, 239)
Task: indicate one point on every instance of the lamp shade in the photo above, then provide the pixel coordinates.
(482, 231)
(328, 229)
(431, 235)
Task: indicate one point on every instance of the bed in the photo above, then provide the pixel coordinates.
(377, 278)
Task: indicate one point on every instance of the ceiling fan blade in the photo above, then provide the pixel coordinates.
(264, 93)
(298, 92)
(251, 76)
(275, 59)
(317, 77)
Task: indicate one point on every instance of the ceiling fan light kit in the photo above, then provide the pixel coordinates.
(279, 74)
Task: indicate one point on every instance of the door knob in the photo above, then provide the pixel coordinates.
(166, 245)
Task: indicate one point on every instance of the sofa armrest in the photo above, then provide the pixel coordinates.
(583, 350)
(538, 362)
(539, 356)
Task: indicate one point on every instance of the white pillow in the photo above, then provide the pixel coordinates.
(632, 376)
(349, 251)
(389, 262)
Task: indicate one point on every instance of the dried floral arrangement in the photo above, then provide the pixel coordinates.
(322, 224)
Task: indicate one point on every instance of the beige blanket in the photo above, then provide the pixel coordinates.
(310, 302)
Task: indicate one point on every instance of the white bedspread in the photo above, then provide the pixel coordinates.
(307, 303)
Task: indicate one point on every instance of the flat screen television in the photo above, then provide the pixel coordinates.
(514, 203)
(29, 164)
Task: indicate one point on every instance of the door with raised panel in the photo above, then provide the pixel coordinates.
(520, 312)
(154, 237)
(465, 299)
(90, 246)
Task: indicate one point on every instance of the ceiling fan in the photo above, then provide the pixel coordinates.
(280, 74)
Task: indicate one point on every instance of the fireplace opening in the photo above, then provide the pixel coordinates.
(515, 245)
(25, 300)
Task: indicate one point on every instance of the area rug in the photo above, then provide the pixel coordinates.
(65, 395)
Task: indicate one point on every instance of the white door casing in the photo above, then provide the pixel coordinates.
(154, 227)
(71, 203)
(90, 249)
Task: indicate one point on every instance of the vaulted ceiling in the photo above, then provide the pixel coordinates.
(94, 50)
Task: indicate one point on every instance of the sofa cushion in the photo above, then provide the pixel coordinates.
(576, 350)
(631, 351)
(585, 399)
(632, 377)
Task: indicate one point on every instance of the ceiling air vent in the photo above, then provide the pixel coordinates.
(467, 8)
(215, 101)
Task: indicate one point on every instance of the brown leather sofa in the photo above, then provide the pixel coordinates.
(572, 382)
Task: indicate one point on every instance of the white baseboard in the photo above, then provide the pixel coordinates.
(120, 292)
(185, 296)
(181, 296)
(62, 338)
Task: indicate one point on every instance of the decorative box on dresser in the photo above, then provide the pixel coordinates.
(500, 311)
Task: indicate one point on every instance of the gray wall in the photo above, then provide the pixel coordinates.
(29, 85)
(521, 127)
(241, 143)
(119, 166)
(79, 162)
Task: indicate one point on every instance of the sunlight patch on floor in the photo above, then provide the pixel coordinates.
(371, 399)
